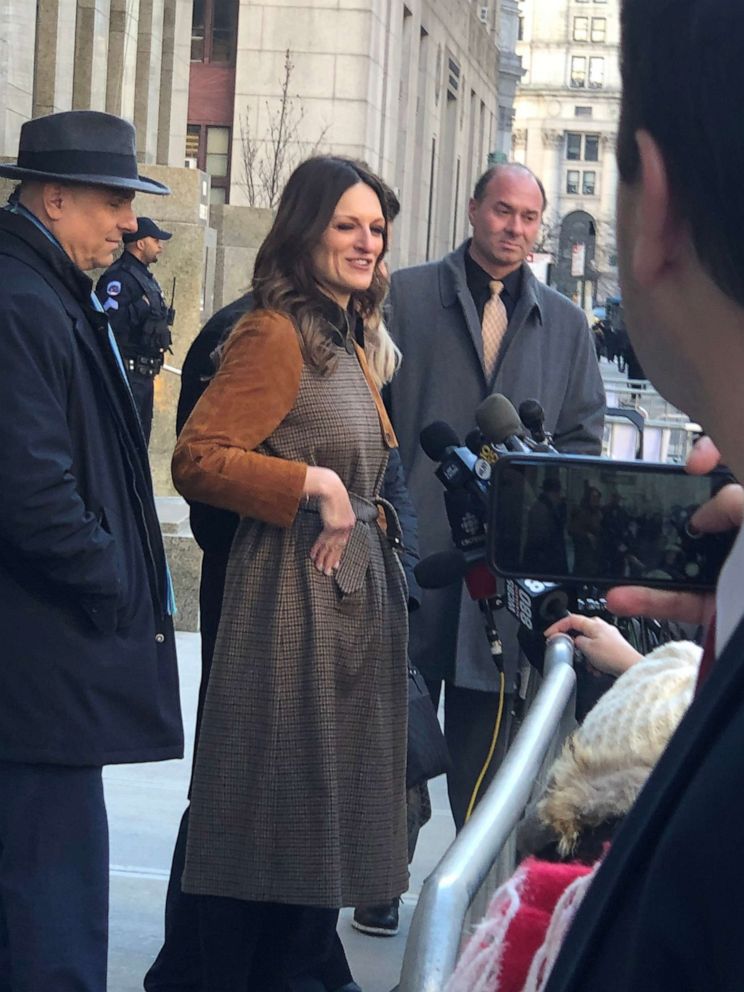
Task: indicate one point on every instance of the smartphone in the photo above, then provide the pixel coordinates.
(574, 518)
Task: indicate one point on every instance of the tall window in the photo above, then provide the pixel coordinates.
(209, 147)
(573, 146)
(599, 30)
(581, 28)
(582, 147)
(193, 136)
(578, 71)
(596, 73)
(581, 181)
(214, 28)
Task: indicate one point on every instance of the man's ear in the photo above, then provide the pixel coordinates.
(658, 232)
(54, 195)
(472, 206)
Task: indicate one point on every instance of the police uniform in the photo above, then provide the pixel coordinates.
(140, 318)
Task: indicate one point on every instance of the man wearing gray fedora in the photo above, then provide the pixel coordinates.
(88, 672)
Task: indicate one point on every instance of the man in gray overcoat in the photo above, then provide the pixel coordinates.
(479, 322)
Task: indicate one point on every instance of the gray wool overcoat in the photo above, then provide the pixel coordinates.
(547, 354)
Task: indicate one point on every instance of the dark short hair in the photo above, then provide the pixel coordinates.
(480, 187)
(683, 77)
(392, 201)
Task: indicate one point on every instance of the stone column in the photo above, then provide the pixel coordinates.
(606, 236)
(54, 61)
(17, 42)
(91, 55)
(608, 177)
(174, 82)
(122, 57)
(147, 85)
(553, 174)
(519, 145)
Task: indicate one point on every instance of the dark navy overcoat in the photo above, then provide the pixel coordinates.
(88, 670)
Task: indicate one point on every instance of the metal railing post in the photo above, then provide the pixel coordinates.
(436, 928)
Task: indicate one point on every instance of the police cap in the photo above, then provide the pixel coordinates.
(146, 228)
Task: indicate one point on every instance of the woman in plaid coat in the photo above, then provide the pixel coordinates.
(298, 797)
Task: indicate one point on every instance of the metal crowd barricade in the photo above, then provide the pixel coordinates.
(436, 929)
(667, 433)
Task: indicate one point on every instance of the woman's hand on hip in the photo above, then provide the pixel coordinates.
(337, 516)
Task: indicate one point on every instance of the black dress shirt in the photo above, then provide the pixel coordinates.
(479, 281)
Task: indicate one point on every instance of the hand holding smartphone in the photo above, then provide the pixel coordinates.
(571, 518)
(724, 512)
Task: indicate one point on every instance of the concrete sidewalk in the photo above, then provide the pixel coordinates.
(145, 803)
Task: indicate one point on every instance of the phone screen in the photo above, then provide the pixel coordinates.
(593, 520)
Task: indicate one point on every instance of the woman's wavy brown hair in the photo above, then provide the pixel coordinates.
(283, 275)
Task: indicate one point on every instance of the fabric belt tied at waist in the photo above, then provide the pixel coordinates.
(352, 570)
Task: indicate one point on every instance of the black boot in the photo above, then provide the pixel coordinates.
(379, 921)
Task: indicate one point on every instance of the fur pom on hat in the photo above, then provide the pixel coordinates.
(606, 761)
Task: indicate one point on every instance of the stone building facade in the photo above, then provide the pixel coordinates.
(422, 90)
(566, 120)
(127, 57)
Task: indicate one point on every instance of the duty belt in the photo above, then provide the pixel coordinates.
(144, 365)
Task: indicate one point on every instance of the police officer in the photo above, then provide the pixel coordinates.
(138, 313)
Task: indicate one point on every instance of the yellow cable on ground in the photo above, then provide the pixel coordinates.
(494, 739)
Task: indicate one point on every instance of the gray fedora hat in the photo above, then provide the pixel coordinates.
(81, 146)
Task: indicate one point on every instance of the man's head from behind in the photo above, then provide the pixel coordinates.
(505, 212)
(681, 195)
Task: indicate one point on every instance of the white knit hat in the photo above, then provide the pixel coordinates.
(606, 761)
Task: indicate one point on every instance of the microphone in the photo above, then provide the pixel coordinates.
(500, 423)
(536, 604)
(485, 454)
(474, 442)
(442, 569)
(458, 468)
(532, 416)
(436, 438)
(466, 518)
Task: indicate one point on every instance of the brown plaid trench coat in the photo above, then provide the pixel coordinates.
(298, 793)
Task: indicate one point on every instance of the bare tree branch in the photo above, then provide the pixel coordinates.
(268, 162)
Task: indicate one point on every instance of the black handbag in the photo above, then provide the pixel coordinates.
(427, 749)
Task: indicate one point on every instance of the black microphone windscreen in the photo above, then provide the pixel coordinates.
(531, 414)
(474, 441)
(498, 419)
(441, 569)
(436, 438)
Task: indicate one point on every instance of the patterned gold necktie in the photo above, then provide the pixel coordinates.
(495, 322)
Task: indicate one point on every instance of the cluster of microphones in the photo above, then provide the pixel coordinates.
(465, 471)
(500, 430)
